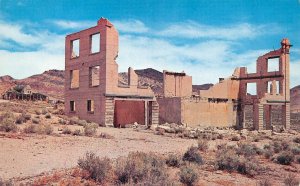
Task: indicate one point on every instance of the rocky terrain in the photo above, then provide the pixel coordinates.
(41, 146)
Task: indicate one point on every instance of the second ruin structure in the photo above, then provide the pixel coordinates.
(92, 91)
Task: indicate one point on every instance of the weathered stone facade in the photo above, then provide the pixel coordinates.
(91, 86)
(224, 103)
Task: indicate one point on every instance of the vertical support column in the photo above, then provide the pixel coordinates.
(146, 113)
(286, 116)
(242, 119)
(267, 116)
(155, 113)
(258, 116)
(109, 112)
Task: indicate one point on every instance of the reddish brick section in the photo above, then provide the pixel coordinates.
(108, 90)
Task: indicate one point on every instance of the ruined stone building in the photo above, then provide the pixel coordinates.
(91, 87)
(224, 104)
(23, 92)
(92, 91)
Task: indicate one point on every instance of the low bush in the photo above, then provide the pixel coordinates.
(235, 138)
(297, 159)
(48, 116)
(297, 140)
(48, 129)
(285, 158)
(30, 129)
(90, 129)
(248, 167)
(188, 176)
(192, 155)
(173, 160)
(105, 135)
(26, 116)
(73, 121)
(8, 125)
(295, 149)
(227, 159)
(279, 146)
(20, 120)
(6, 182)
(62, 121)
(44, 111)
(81, 122)
(77, 132)
(142, 169)
(99, 169)
(38, 112)
(35, 120)
(202, 144)
(248, 150)
(265, 183)
(291, 180)
(66, 130)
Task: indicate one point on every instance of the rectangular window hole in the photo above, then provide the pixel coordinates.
(90, 105)
(277, 87)
(72, 106)
(273, 65)
(94, 76)
(75, 48)
(74, 78)
(251, 89)
(95, 43)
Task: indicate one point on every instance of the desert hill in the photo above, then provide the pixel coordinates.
(51, 83)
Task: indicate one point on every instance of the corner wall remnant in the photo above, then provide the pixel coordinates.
(94, 61)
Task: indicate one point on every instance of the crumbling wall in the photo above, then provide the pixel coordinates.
(92, 77)
(170, 110)
(177, 84)
(208, 113)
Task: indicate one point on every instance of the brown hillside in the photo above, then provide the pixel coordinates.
(51, 83)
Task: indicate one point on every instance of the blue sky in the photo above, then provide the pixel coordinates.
(206, 39)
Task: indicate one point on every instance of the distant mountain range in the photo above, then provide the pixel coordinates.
(51, 83)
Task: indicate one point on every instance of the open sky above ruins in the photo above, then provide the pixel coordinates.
(206, 39)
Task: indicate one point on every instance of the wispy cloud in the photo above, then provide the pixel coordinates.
(131, 26)
(14, 32)
(204, 60)
(66, 24)
(191, 29)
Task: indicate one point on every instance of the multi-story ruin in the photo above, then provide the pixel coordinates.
(92, 91)
(91, 87)
(224, 104)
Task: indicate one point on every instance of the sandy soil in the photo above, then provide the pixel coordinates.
(39, 153)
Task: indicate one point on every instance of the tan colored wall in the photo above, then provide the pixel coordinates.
(194, 112)
(204, 113)
(177, 84)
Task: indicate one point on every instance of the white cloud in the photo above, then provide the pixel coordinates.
(24, 64)
(14, 32)
(205, 61)
(131, 26)
(47, 51)
(65, 24)
(191, 29)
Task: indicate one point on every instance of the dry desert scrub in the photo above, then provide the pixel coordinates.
(188, 175)
(7, 123)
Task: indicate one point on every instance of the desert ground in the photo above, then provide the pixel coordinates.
(41, 146)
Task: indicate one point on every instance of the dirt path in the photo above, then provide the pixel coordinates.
(33, 155)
